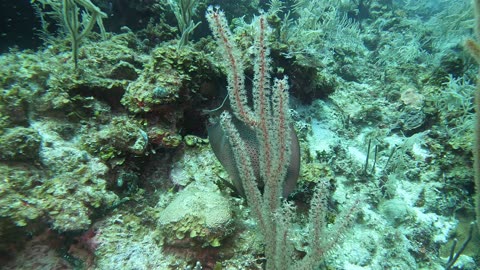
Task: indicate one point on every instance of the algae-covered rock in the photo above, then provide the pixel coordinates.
(198, 216)
(64, 193)
(13, 106)
(19, 144)
(121, 136)
(192, 140)
(164, 138)
(168, 78)
(19, 205)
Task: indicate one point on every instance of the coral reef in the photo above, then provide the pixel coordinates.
(108, 165)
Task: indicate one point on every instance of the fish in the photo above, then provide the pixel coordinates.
(224, 153)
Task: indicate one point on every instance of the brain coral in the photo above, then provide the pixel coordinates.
(198, 216)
